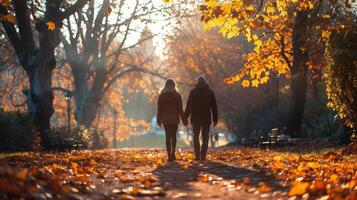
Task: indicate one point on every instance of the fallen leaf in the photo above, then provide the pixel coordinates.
(298, 188)
(264, 187)
(118, 173)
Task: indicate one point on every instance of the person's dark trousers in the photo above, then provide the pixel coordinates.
(200, 152)
(170, 132)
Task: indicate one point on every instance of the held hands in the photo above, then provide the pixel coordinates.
(185, 121)
(214, 124)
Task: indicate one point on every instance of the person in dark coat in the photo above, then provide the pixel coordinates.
(169, 113)
(202, 107)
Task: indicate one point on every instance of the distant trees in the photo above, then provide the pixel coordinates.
(36, 50)
(100, 49)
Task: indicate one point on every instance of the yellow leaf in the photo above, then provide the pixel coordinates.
(264, 79)
(226, 8)
(212, 3)
(298, 188)
(312, 165)
(325, 34)
(245, 83)
(250, 8)
(51, 26)
(270, 10)
(255, 37)
(167, 1)
(232, 33)
(255, 83)
(334, 178)
(258, 43)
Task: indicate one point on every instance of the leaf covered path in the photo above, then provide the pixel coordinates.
(230, 173)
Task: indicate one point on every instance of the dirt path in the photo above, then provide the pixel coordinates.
(229, 173)
(183, 179)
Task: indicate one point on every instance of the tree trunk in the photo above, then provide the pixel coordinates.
(38, 62)
(87, 105)
(88, 111)
(80, 88)
(298, 74)
(41, 79)
(315, 89)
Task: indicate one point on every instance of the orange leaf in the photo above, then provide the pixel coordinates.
(203, 177)
(10, 18)
(118, 173)
(108, 11)
(5, 3)
(318, 186)
(263, 187)
(51, 26)
(298, 188)
(92, 162)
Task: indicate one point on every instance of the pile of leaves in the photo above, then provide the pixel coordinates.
(131, 174)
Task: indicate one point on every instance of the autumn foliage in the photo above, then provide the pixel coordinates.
(340, 75)
(128, 174)
(268, 25)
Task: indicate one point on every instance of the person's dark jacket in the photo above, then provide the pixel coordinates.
(170, 108)
(201, 105)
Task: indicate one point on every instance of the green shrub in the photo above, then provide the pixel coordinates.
(16, 132)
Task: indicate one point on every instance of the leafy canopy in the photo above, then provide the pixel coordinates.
(268, 26)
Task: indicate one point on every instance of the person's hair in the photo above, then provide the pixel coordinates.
(201, 79)
(169, 86)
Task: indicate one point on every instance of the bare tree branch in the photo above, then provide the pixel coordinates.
(73, 9)
(24, 26)
(11, 33)
(282, 52)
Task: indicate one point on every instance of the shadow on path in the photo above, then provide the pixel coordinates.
(174, 176)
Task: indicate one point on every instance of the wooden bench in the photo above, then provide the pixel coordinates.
(273, 140)
(268, 141)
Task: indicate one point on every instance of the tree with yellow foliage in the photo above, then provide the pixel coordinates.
(340, 74)
(284, 34)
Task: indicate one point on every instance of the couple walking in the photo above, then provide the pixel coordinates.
(201, 107)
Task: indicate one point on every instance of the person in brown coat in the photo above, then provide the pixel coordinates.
(169, 113)
(202, 107)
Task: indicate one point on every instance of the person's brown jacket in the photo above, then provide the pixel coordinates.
(170, 108)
